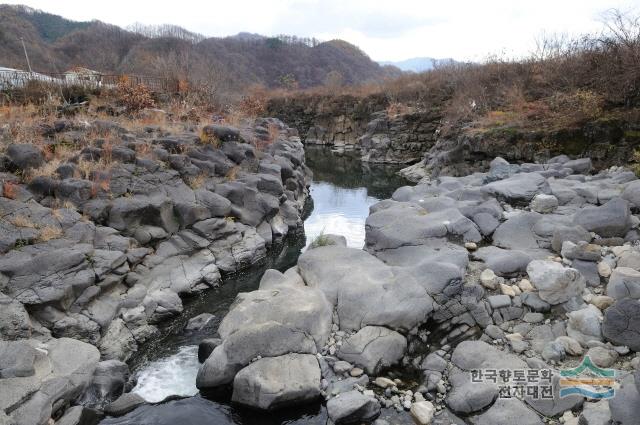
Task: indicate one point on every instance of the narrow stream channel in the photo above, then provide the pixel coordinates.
(342, 190)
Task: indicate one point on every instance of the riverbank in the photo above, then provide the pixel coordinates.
(105, 228)
(525, 268)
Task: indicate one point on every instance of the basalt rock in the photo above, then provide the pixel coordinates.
(89, 265)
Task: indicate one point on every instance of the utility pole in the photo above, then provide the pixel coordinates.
(25, 54)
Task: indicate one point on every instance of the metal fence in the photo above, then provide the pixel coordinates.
(16, 80)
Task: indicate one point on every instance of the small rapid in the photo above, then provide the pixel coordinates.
(174, 375)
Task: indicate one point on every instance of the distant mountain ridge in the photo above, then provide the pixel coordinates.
(419, 64)
(232, 63)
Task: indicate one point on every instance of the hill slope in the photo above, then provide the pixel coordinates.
(56, 44)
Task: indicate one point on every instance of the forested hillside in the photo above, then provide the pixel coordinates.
(232, 63)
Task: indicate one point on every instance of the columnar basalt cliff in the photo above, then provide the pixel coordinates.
(98, 250)
(422, 136)
(362, 124)
(607, 142)
(327, 120)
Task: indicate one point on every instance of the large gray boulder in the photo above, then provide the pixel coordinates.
(517, 232)
(124, 404)
(17, 359)
(24, 156)
(395, 224)
(14, 319)
(625, 406)
(373, 348)
(486, 223)
(127, 214)
(54, 275)
(555, 283)
(609, 220)
(565, 233)
(248, 204)
(503, 262)
(621, 323)
(352, 407)
(580, 165)
(470, 355)
(118, 342)
(300, 308)
(632, 193)
(59, 376)
(241, 247)
(182, 274)
(276, 382)
(108, 383)
(624, 283)
(556, 405)
(217, 205)
(467, 397)
(519, 188)
(584, 325)
(353, 280)
(268, 339)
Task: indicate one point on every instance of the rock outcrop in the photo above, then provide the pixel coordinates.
(504, 270)
(96, 252)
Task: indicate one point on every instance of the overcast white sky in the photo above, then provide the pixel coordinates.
(386, 30)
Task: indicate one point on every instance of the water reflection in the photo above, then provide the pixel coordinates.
(343, 189)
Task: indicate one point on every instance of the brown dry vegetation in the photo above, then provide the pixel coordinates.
(49, 232)
(564, 83)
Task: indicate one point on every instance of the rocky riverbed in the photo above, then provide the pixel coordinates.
(96, 251)
(522, 271)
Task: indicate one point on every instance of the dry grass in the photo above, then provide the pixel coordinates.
(20, 124)
(49, 232)
(197, 182)
(144, 150)
(133, 98)
(100, 186)
(232, 174)
(207, 138)
(87, 169)
(22, 221)
(10, 190)
(274, 133)
(56, 213)
(395, 109)
(69, 205)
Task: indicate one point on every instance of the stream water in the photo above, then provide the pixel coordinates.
(342, 190)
